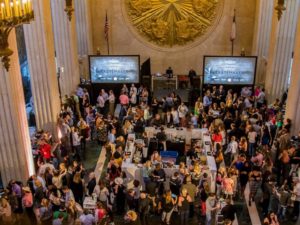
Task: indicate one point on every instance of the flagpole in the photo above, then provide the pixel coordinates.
(106, 31)
(233, 32)
(107, 42)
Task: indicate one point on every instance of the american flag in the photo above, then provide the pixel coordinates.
(233, 29)
(106, 28)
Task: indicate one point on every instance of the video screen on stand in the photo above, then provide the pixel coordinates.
(229, 70)
(115, 69)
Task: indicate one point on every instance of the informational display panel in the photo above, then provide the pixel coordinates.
(229, 70)
(115, 69)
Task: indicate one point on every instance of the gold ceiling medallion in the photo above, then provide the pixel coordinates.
(69, 9)
(280, 8)
(168, 23)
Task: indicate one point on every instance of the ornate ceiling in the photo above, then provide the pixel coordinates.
(169, 23)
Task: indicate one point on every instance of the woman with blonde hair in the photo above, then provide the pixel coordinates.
(127, 127)
(5, 211)
(182, 169)
(198, 107)
(74, 210)
(77, 188)
(167, 204)
(45, 212)
(243, 145)
(131, 217)
(196, 174)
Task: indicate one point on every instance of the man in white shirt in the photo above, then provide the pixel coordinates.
(182, 110)
(175, 117)
(232, 149)
(211, 206)
(100, 103)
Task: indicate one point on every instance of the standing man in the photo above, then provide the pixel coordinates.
(211, 207)
(104, 94)
(100, 103)
(192, 74)
(144, 207)
(207, 101)
(260, 99)
(192, 191)
(182, 112)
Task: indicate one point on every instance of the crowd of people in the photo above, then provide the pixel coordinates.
(251, 144)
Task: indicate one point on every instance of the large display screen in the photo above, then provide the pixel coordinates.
(115, 69)
(229, 70)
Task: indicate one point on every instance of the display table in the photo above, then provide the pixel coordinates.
(89, 203)
(176, 141)
(180, 133)
(135, 172)
(163, 82)
(178, 146)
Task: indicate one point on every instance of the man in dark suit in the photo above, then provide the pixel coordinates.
(169, 72)
(192, 74)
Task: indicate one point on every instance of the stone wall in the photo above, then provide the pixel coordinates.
(124, 41)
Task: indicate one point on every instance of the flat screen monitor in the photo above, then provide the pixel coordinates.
(229, 70)
(115, 69)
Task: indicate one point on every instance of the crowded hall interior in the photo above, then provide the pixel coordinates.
(141, 112)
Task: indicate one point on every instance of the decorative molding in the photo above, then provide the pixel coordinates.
(172, 24)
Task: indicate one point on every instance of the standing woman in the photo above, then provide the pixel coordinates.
(198, 107)
(145, 95)
(184, 205)
(86, 104)
(167, 204)
(111, 100)
(216, 139)
(243, 145)
(266, 138)
(133, 95)
(102, 133)
(46, 212)
(27, 202)
(77, 188)
(244, 176)
(219, 157)
(252, 135)
(255, 179)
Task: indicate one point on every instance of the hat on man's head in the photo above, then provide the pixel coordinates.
(119, 181)
(26, 189)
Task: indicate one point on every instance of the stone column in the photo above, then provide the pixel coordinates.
(293, 100)
(84, 35)
(65, 40)
(281, 50)
(41, 60)
(15, 148)
(261, 40)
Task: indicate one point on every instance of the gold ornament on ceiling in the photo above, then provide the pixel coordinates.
(170, 23)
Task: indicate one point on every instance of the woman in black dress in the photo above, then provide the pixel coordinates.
(244, 176)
